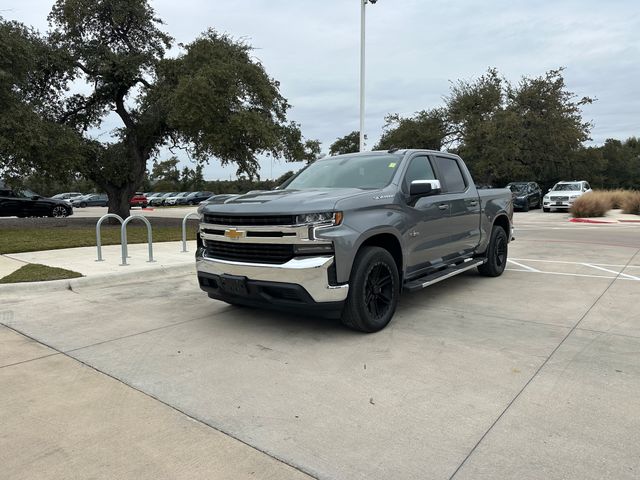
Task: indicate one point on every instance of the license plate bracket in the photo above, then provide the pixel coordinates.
(234, 285)
(558, 203)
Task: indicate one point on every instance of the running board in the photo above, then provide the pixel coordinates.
(422, 282)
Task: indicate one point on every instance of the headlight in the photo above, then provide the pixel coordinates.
(547, 197)
(327, 218)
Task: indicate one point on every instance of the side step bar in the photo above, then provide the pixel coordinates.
(422, 282)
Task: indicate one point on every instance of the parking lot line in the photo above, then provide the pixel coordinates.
(611, 271)
(573, 263)
(526, 267)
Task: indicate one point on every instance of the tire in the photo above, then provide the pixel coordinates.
(59, 212)
(497, 254)
(526, 207)
(546, 209)
(83, 205)
(374, 289)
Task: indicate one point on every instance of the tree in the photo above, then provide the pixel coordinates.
(531, 130)
(350, 143)
(213, 99)
(165, 174)
(426, 129)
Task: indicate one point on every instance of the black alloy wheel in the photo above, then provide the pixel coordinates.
(378, 290)
(497, 253)
(374, 290)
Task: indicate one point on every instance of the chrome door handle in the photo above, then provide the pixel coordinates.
(443, 206)
(473, 203)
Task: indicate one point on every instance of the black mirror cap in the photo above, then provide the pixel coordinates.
(423, 188)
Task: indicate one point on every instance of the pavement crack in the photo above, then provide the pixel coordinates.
(539, 369)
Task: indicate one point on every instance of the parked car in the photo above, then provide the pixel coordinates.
(139, 200)
(159, 200)
(91, 200)
(67, 196)
(173, 199)
(25, 203)
(194, 198)
(563, 194)
(526, 195)
(347, 234)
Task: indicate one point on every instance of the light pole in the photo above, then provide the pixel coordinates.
(362, 29)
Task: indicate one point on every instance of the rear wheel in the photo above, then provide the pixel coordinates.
(59, 211)
(374, 289)
(496, 254)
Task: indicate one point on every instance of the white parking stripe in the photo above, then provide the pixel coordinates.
(573, 274)
(610, 271)
(526, 267)
(573, 263)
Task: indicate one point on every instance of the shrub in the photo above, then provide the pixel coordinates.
(592, 204)
(631, 203)
(617, 197)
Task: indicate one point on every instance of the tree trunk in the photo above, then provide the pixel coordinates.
(119, 200)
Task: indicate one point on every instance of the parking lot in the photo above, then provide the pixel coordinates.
(534, 374)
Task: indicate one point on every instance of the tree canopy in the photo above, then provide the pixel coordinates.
(211, 99)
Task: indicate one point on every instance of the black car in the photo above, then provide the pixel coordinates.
(526, 195)
(91, 200)
(194, 198)
(24, 203)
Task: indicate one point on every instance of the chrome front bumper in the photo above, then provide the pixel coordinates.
(311, 273)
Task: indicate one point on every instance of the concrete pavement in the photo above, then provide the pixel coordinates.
(530, 375)
(62, 419)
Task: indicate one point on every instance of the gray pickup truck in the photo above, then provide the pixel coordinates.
(347, 234)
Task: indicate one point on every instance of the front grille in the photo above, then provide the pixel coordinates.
(241, 220)
(249, 252)
(559, 199)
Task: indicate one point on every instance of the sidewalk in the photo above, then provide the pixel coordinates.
(167, 256)
(9, 265)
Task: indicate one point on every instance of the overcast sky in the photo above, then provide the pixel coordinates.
(414, 49)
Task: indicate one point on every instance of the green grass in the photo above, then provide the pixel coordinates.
(20, 240)
(34, 272)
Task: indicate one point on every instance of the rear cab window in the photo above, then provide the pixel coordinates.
(450, 175)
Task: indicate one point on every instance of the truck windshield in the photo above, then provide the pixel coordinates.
(366, 172)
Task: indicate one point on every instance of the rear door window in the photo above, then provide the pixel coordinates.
(450, 175)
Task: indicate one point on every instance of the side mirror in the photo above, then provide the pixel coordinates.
(423, 188)
(36, 197)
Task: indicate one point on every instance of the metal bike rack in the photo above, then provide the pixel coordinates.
(184, 229)
(123, 238)
(98, 239)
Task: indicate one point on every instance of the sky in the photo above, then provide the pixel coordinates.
(414, 50)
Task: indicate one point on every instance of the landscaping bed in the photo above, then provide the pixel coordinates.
(19, 235)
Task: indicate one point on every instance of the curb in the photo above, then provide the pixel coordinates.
(97, 280)
(629, 221)
(589, 220)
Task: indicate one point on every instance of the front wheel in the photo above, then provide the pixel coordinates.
(547, 210)
(374, 288)
(496, 254)
(83, 205)
(526, 207)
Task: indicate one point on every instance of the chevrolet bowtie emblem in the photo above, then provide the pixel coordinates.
(233, 234)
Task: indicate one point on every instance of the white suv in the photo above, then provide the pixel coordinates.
(563, 194)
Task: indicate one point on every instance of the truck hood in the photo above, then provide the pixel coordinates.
(281, 201)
